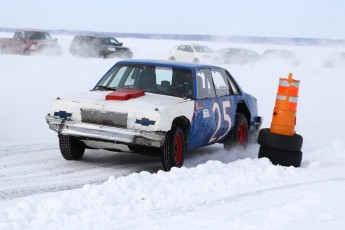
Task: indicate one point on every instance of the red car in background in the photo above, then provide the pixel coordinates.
(27, 42)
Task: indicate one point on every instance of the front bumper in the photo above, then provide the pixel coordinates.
(102, 133)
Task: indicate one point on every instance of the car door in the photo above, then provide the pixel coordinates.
(184, 53)
(189, 53)
(215, 108)
(18, 43)
(179, 53)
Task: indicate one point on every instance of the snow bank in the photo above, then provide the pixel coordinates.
(246, 194)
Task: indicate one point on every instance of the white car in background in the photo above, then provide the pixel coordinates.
(193, 53)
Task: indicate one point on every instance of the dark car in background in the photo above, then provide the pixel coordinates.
(98, 46)
(336, 60)
(238, 55)
(281, 54)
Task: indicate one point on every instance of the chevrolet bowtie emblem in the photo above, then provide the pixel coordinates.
(145, 122)
(62, 114)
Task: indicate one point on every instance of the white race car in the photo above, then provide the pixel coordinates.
(194, 53)
(155, 107)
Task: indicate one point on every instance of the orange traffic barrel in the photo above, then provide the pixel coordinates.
(284, 113)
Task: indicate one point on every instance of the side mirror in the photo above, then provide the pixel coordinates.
(120, 43)
(55, 39)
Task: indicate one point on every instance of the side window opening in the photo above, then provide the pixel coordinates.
(205, 87)
(181, 48)
(221, 83)
(16, 35)
(233, 86)
(188, 49)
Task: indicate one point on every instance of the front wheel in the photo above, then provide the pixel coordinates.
(71, 148)
(238, 135)
(26, 52)
(173, 150)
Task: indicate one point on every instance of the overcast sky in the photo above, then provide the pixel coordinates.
(274, 18)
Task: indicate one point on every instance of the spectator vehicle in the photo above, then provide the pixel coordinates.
(28, 42)
(281, 54)
(336, 60)
(193, 53)
(98, 46)
(238, 56)
(164, 108)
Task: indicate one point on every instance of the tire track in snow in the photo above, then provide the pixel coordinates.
(34, 169)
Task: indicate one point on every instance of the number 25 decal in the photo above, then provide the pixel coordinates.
(216, 108)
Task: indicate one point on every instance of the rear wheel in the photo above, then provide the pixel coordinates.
(71, 148)
(173, 150)
(238, 135)
(2, 49)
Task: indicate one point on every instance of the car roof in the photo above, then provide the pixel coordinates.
(191, 44)
(94, 36)
(32, 30)
(168, 63)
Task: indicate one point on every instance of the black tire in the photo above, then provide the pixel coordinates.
(238, 135)
(280, 142)
(103, 54)
(173, 150)
(281, 157)
(26, 52)
(71, 148)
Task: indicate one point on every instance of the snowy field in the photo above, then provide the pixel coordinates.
(215, 190)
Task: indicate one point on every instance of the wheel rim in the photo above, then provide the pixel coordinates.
(242, 135)
(178, 149)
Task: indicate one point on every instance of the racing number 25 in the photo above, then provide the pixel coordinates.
(226, 117)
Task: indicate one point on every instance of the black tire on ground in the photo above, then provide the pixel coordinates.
(71, 148)
(103, 54)
(280, 142)
(173, 150)
(238, 135)
(26, 52)
(281, 157)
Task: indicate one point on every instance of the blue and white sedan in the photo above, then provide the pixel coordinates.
(156, 107)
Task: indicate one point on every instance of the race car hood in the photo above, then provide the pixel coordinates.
(144, 112)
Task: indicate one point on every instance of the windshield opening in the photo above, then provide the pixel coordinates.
(153, 79)
(109, 41)
(33, 35)
(202, 49)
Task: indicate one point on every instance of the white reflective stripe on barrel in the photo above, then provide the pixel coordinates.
(283, 82)
(293, 99)
(281, 97)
